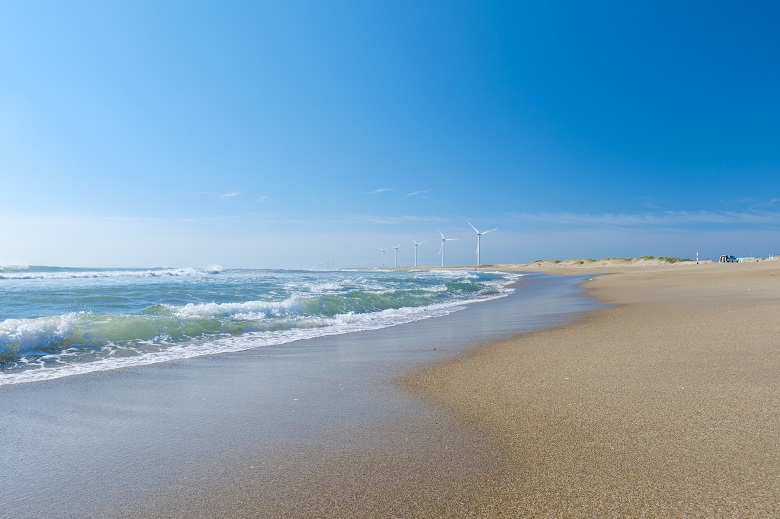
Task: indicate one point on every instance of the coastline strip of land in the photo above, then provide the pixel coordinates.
(664, 403)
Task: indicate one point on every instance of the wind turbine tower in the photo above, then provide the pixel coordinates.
(443, 241)
(415, 249)
(479, 236)
(396, 254)
(384, 256)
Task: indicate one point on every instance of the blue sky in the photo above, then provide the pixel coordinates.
(296, 133)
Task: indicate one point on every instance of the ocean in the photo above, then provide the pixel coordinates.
(300, 407)
(58, 321)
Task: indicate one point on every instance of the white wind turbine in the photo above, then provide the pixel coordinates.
(384, 256)
(479, 236)
(443, 241)
(415, 249)
(396, 254)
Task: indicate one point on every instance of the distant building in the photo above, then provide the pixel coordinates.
(728, 259)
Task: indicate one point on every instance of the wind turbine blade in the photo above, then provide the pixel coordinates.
(442, 234)
(441, 248)
(491, 230)
(475, 229)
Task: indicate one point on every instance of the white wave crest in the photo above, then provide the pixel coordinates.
(246, 310)
(23, 334)
(14, 268)
(86, 274)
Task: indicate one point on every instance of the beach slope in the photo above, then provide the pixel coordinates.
(664, 403)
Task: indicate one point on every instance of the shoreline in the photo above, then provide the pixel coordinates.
(318, 428)
(661, 401)
(664, 404)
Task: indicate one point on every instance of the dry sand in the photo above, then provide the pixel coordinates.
(665, 404)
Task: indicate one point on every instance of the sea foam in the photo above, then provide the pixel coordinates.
(189, 313)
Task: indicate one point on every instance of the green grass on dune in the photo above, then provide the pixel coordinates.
(665, 259)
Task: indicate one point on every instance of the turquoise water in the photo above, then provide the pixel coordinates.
(56, 322)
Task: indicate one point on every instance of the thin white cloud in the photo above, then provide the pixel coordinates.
(393, 220)
(416, 193)
(228, 196)
(651, 219)
(261, 198)
(380, 190)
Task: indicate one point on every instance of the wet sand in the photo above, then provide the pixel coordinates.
(664, 405)
(318, 428)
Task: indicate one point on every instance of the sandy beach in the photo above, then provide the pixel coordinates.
(665, 404)
(662, 402)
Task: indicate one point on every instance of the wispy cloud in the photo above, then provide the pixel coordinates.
(261, 198)
(380, 190)
(393, 220)
(652, 219)
(223, 196)
(416, 193)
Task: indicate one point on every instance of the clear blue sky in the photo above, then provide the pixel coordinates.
(294, 133)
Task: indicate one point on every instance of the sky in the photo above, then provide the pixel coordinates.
(310, 134)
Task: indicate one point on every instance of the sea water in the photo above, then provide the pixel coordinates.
(56, 321)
